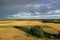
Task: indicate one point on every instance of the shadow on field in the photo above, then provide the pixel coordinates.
(22, 28)
(30, 31)
(37, 31)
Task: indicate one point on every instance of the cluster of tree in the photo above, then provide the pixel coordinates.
(51, 20)
(38, 32)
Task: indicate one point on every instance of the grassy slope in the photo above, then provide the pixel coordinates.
(7, 32)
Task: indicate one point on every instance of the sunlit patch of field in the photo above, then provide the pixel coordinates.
(5, 22)
(29, 23)
(14, 34)
(7, 32)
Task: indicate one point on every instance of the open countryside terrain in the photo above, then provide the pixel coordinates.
(8, 32)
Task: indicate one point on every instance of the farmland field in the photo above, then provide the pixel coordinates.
(8, 32)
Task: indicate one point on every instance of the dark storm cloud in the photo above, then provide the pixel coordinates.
(5, 8)
(17, 2)
(23, 2)
(11, 7)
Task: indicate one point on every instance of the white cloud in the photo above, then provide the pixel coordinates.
(38, 9)
(29, 16)
(56, 12)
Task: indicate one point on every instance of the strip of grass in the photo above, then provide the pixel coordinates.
(4, 22)
(6, 26)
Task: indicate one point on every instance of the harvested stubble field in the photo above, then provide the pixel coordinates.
(8, 32)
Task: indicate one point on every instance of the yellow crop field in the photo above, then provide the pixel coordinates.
(15, 34)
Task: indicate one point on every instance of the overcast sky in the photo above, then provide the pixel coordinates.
(30, 8)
